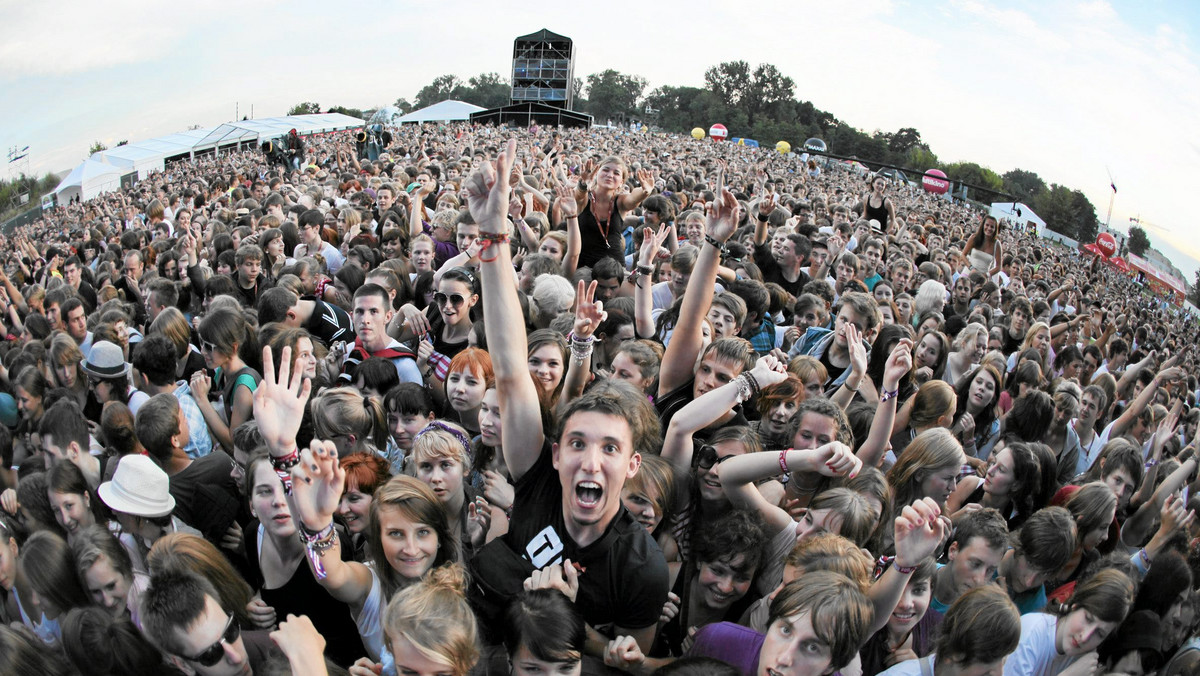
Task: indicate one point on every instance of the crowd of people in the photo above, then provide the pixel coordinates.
(538, 400)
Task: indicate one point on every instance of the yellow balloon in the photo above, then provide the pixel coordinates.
(697, 133)
(783, 147)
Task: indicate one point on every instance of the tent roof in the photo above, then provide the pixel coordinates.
(544, 35)
(442, 111)
(87, 170)
(269, 127)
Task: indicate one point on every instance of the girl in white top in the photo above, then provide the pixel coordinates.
(1064, 643)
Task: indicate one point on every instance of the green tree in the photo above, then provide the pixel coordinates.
(613, 95)
(922, 158)
(352, 112)
(1087, 225)
(975, 175)
(1068, 212)
(489, 90)
(904, 140)
(97, 147)
(1195, 294)
(1138, 241)
(442, 88)
(122, 142)
(758, 92)
(1024, 185)
(402, 105)
(306, 108)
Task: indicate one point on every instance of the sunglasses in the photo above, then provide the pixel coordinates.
(707, 456)
(213, 653)
(454, 299)
(205, 345)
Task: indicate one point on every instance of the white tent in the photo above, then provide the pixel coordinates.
(445, 111)
(89, 179)
(103, 170)
(132, 157)
(253, 132)
(1019, 215)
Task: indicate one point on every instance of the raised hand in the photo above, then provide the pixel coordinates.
(768, 370)
(651, 244)
(919, 530)
(317, 483)
(767, 204)
(858, 352)
(566, 201)
(498, 490)
(488, 190)
(646, 180)
(279, 402)
(479, 520)
(835, 459)
(899, 362)
(589, 313)
(564, 577)
(723, 216)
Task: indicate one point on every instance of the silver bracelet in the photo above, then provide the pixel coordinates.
(745, 390)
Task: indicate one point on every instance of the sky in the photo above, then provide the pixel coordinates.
(1072, 90)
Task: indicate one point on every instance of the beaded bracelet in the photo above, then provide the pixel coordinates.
(317, 543)
(753, 382)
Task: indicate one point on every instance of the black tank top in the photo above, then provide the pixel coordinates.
(879, 213)
(303, 595)
(601, 241)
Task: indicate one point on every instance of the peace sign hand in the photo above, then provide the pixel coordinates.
(589, 313)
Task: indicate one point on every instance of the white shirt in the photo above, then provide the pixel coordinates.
(1035, 654)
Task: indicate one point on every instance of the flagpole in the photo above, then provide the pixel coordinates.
(1111, 198)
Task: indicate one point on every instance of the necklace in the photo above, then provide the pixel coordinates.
(602, 224)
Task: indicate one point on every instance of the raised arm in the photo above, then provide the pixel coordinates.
(899, 362)
(522, 435)
(738, 475)
(765, 207)
(919, 530)
(638, 194)
(317, 483)
(589, 313)
(570, 214)
(710, 406)
(643, 294)
(685, 344)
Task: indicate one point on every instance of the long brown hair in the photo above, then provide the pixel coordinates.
(416, 501)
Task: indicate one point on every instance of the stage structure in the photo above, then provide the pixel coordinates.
(543, 70)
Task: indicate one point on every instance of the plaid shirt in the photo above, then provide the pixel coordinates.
(200, 442)
(764, 340)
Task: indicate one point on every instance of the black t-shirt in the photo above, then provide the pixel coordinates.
(773, 273)
(329, 323)
(624, 582)
(206, 496)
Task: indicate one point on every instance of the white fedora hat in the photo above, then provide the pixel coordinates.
(105, 360)
(138, 487)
